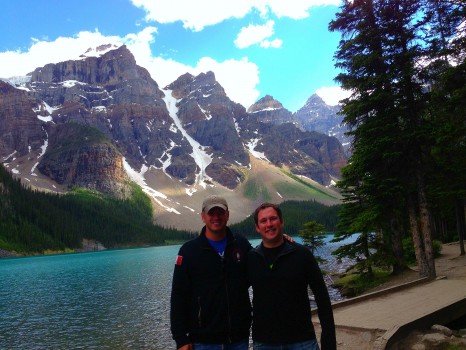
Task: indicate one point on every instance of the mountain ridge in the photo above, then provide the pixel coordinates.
(179, 143)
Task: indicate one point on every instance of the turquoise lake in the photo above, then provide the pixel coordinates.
(116, 299)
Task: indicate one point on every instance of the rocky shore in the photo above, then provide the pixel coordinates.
(437, 337)
(7, 254)
(91, 245)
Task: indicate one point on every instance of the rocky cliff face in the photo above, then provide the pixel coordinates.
(289, 141)
(269, 110)
(112, 94)
(81, 156)
(86, 119)
(316, 115)
(20, 126)
(306, 153)
(208, 116)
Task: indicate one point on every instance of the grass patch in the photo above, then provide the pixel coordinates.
(79, 136)
(61, 251)
(354, 284)
(253, 188)
(297, 191)
(313, 190)
(174, 241)
(10, 246)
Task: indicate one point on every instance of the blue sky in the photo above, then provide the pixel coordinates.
(254, 47)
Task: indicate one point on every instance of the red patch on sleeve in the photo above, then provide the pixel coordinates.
(179, 260)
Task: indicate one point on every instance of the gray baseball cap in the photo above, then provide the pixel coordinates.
(214, 201)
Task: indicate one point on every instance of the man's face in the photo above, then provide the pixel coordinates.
(215, 220)
(270, 227)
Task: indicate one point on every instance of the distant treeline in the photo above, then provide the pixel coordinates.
(33, 221)
(295, 215)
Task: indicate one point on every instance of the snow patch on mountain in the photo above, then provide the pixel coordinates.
(71, 83)
(138, 177)
(199, 155)
(267, 109)
(98, 51)
(251, 145)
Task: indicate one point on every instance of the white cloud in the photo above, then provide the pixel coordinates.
(332, 94)
(239, 78)
(254, 34)
(296, 9)
(277, 43)
(42, 52)
(196, 15)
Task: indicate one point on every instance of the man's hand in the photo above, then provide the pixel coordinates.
(186, 347)
(288, 238)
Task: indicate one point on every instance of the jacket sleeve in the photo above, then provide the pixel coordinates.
(180, 302)
(324, 306)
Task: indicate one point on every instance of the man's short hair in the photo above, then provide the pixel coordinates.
(264, 206)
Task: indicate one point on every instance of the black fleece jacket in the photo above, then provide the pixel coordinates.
(210, 299)
(282, 312)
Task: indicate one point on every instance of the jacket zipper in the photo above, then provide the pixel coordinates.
(271, 265)
(228, 298)
(222, 261)
(199, 319)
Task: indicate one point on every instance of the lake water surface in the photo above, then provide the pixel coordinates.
(117, 299)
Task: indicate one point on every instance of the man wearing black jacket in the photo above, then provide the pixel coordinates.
(210, 306)
(280, 273)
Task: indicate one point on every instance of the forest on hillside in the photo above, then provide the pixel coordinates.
(34, 221)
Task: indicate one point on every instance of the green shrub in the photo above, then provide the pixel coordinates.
(354, 284)
(408, 250)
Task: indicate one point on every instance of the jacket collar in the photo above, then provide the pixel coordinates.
(288, 247)
(205, 243)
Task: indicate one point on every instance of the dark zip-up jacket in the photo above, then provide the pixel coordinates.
(282, 311)
(210, 299)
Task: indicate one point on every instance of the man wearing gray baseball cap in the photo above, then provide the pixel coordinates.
(210, 306)
(214, 201)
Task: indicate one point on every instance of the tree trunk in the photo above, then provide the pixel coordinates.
(397, 247)
(426, 225)
(417, 239)
(367, 254)
(460, 223)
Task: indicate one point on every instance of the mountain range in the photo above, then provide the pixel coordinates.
(101, 121)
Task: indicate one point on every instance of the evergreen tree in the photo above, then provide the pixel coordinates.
(377, 160)
(445, 74)
(313, 236)
(358, 216)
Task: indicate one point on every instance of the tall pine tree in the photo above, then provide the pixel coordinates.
(392, 55)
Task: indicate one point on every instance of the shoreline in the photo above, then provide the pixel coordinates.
(7, 254)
